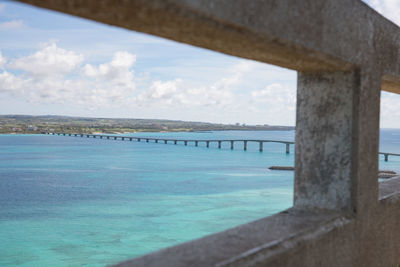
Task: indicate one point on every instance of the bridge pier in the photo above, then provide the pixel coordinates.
(175, 141)
(101, 137)
(64, 134)
(165, 141)
(245, 145)
(219, 144)
(69, 134)
(147, 140)
(115, 138)
(94, 136)
(287, 148)
(185, 143)
(261, 146)
(108, 137)
(87, 136)
(156, 141)
(208, 143)
(232, 144)
(122, 138)
(386, 157)
(196, 143)
(138, 139)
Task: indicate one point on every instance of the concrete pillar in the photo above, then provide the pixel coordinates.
(287, 148)
(94, 136)
(232, 144)
(196, 143)
(101, 137)
(185, 143)
(138, 139)
(337, 135)
(386, 157)
(81, 135)
(208, 143)
(261, 146)
(64, 134)
(147, 140)
(87, 136)
(108, 137)
(115, 138)
(219, 144)
(175, 141)
(244, 145)
(165, 141)
(156, 140)
(69, 134)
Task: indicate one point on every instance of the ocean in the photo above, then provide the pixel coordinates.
(72, 201)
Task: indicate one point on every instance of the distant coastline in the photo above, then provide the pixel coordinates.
(26, 124)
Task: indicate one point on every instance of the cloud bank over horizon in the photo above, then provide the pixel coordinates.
(81, 68)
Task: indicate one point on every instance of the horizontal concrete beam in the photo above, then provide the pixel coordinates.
(308, 36)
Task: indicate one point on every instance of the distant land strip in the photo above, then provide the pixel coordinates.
(41, 124)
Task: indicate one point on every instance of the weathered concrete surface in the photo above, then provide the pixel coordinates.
(324, 140)
(345, 53)
(308, 35)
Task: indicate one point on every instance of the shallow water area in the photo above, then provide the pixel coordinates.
(72, 201)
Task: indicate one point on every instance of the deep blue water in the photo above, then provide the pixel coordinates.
(71, 201)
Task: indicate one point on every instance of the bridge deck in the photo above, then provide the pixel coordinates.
(196, 141)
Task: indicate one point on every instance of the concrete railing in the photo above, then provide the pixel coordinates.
(345, 54)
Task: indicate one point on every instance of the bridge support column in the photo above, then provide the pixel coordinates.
(156, 141)
(244, 145)
(69, 134)
(185, 143)
(287, 148)
(165, 141)
(336, 161)
(175, 141)
(196, 143)
(101, 137)
(261, 146)
(87, 136)
(207, 143)
(232, 144)
(219, 144)
(147, 140)
(108, 137)
(386, 157)
(115, 138)
(94, 136)
(130, 139)
(138, 139)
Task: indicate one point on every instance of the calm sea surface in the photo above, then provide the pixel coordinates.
(71, 201)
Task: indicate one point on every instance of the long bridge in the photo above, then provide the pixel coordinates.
(197, 141)
(184, 141)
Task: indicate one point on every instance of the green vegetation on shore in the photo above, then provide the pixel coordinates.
(41, 124)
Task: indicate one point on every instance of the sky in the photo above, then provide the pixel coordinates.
(56, 64)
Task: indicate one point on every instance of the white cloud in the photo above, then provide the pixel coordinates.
(390, 110)
(117, 71)
(50, 60)
(55, 75)
(388, 8)
(2, 60)
(12, 24)
(12, 84)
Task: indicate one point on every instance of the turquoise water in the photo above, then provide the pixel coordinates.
(71, 201)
